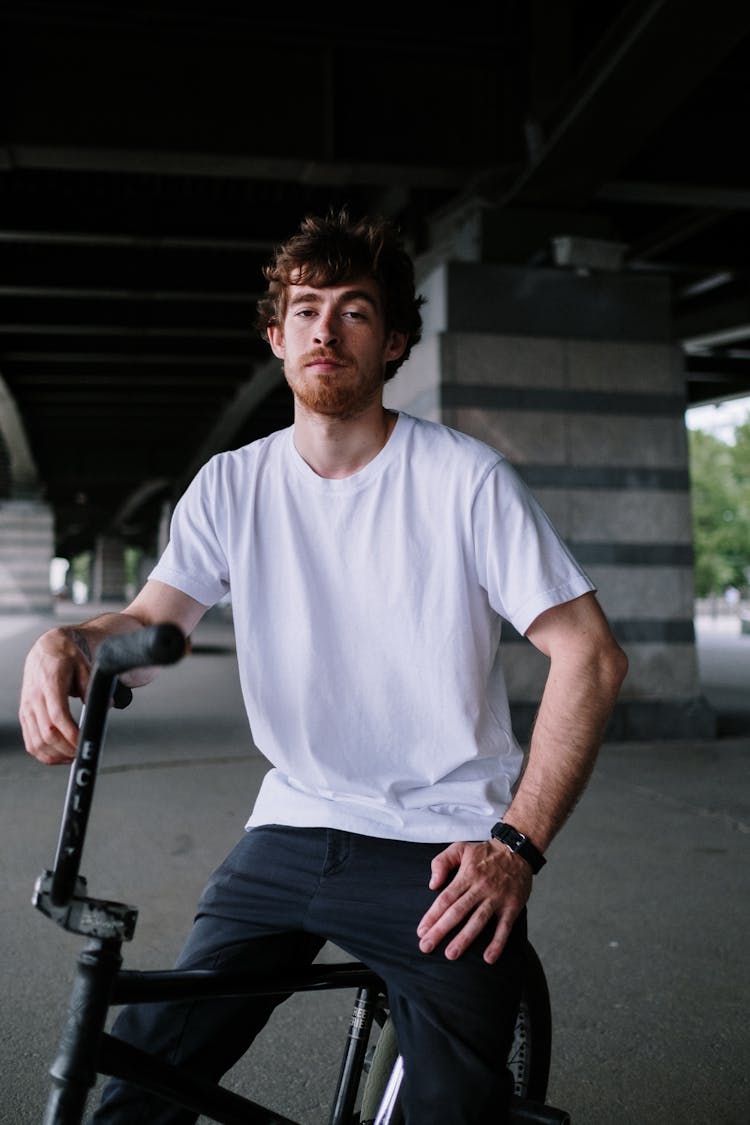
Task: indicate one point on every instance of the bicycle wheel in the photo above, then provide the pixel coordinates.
(380, 1067)
(529, 1056)
(528, 1059)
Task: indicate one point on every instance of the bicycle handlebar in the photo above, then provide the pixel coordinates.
(149, 646)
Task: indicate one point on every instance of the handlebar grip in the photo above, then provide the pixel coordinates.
(154, 644)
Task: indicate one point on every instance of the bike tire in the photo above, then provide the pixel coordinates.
(381, 1064)
(530, 1052)
(528, 1059)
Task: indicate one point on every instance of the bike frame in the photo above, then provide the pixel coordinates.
(86, 1050)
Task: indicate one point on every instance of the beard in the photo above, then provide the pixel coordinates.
(343, 393)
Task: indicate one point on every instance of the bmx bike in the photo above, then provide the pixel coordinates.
(371, 1070)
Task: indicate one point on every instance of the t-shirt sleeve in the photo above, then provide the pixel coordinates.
(194, 560)
(522, 561)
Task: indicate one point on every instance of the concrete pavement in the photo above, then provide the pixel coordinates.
(640, 915)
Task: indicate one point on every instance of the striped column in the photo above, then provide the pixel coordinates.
(27, 539)
(573, 377)
(108, 570)
(26, 550)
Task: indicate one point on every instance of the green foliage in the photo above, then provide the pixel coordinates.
(132, 562)
(80, 568)
(720, 478)
(741, 456)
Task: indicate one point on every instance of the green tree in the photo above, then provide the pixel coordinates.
(720, 479)
(740, 456)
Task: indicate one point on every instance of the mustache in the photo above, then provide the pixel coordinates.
(325, 355)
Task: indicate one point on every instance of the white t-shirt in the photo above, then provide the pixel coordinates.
(367, 613)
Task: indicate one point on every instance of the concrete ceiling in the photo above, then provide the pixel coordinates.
(152, 154)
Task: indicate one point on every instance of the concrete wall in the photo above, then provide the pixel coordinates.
(108, 570)
(26, 522)
(26, 550)
(574, 379)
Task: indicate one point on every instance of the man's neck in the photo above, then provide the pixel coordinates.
(335, 447)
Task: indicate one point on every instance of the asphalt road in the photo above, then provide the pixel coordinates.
(640, 916)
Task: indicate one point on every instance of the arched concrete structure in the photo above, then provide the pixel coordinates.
(23, 476)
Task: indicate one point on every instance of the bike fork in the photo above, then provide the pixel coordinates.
(74, 1070)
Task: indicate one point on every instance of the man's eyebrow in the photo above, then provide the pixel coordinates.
(313, 297)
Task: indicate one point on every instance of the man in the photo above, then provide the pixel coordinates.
(371, 558)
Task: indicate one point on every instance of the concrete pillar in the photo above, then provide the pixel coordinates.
(573, 377)
(26, 523)
(26, 551)
(108, 570)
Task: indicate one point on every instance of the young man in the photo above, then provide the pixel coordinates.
(371, 558)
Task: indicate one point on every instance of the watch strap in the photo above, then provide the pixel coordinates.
(519, 843)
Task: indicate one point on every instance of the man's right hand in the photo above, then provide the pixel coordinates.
(56, 669)
(58, 666)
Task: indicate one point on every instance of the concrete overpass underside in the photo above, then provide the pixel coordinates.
(570, 175)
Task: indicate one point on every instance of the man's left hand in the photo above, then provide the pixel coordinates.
(489, 882)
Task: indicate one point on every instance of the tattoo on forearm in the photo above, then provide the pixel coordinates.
(82, 643)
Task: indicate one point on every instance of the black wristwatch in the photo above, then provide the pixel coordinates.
(519, 844)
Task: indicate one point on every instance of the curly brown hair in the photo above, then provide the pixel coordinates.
(336, 249)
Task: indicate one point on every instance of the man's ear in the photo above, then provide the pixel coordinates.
(276, 340)
(395, 345)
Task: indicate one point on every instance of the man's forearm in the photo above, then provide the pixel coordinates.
(568, 731)
(89, 634)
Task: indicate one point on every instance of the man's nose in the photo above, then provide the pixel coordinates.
(325, 332)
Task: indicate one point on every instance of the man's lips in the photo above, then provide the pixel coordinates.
(325, 362)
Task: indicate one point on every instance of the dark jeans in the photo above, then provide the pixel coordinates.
(273, 902)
